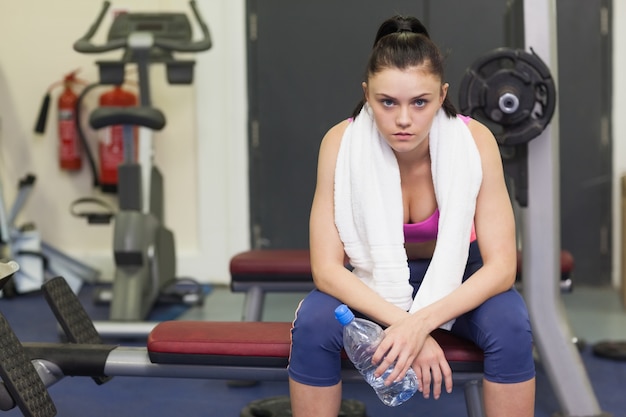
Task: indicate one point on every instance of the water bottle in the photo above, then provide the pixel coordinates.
(360, 339)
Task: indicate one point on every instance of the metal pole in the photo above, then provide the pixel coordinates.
(5, 235)
(542, 243)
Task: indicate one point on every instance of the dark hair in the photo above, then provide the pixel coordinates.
(403, 42)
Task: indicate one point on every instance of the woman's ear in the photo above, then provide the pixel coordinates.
(364, 85)
(444, 92)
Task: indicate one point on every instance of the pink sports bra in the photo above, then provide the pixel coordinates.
(426, 230)
(423, 231)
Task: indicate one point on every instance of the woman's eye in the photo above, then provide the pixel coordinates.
(420, 103)
(387, 103)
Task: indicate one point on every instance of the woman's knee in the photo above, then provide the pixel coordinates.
(503, 316)
(510, 338)
(505, 335)
(315, 322)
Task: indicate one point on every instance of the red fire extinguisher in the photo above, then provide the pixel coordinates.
(73, 141)
(69, 143)
(111, 138)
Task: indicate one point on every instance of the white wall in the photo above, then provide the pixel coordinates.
(619, 128)
(202, 150)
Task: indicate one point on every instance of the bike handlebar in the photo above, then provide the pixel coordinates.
(85, 45)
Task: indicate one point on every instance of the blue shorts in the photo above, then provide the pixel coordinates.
(500, 326)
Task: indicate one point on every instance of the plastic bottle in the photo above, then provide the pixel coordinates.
(361, 338)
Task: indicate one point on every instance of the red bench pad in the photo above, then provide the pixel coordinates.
(246, 343)
(295, 265)
(566, 262)
(221, 338)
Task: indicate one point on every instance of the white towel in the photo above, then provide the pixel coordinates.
(369, 210)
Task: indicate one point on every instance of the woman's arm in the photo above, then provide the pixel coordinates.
(327, 252)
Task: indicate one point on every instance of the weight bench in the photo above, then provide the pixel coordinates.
(259, 271)
(260, 351)
(178, 349)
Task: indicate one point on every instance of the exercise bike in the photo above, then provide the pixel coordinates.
(143, 247)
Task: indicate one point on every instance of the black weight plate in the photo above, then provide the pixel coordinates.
(281, 407)
(511, 72)
(615, 350)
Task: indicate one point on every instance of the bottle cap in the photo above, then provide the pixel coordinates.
(344, 314)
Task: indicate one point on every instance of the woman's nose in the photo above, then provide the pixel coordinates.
(403, 119)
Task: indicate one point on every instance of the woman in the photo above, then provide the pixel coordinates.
(406, 171)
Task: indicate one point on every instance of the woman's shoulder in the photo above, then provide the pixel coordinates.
(337, 131)
(334, 134)
(328, 152)
(487, 146)
(483, 137)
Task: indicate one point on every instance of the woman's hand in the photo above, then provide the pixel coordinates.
(431, 367)
(408, 343)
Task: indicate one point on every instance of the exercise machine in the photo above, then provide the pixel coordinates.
(541, 231)
(143, 247)
(39, 260)
(536, 171)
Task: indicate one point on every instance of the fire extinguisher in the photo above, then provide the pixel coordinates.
(112, 139)
(69, 143)
(69, 148)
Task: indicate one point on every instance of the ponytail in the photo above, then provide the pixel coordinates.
(403, 42)
(449, 108)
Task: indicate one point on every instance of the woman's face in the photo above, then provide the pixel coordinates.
(404, 104)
